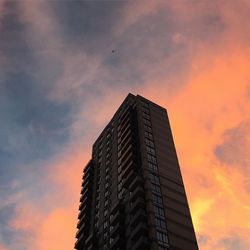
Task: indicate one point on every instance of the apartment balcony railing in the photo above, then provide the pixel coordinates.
(80, 242)
(139, 203)
(137, 181)
(141, 229)
(141, 244)
(137, 192)
(138, 217)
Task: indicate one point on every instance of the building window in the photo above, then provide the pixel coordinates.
(119, 161)
(146, 116)
(154, 179)
(150, 150)
(156, 189)
(149, 143)
(106, 203)
(119, 186)
(119, 154)
(159, 212)
(145, 110)
(153, 167)
(148, 128)
(105, 213)
(157, 199)
(160, 224)
(119, 169)
(151, 159)
(105, 235)
(145, 104)
(148, 135)
(147, 122)
(97, 206)
(162, 248)
(106, 194)
(162, 238)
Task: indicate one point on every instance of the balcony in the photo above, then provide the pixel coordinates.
(85, 202)
(81, 221)
(137, 181)
(125, 114)
(89, 242)
(141, 244)
(126, 137)
(128, 151)
(85, 184)
(127, 170)
(139, 203)
(81, 230)
(140, 230)
(127, 160)
(85, 210)
(79, 243)
(89, 167)
(125, 129)
(137, 192)
(139, 216)
(116, 230)
(131, 175)
(115, 218)
(115, 243)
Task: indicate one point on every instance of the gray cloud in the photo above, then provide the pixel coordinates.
(235, 148)
(57, 66)
(233, 243)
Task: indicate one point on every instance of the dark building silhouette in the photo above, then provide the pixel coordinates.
(132, 194)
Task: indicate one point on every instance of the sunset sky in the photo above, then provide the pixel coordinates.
(60, 83)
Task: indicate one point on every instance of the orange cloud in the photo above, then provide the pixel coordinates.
(208, 98)
(214, 99)
(53, 225)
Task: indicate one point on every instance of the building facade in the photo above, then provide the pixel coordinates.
(132, 195)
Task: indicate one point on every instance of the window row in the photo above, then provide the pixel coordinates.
(159, 211)
(153, 167)
(146, 115)
(150, 150)
(156, 189)
(160, 224)
(148, 128)
(148, 135)
(162, 238)
(154, 179)
(147, 122)
(157, 199)
(149, 142)
(151, 158)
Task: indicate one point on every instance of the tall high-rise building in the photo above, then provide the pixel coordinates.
(132, 194)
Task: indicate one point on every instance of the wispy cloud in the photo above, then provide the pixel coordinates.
(57, 66)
